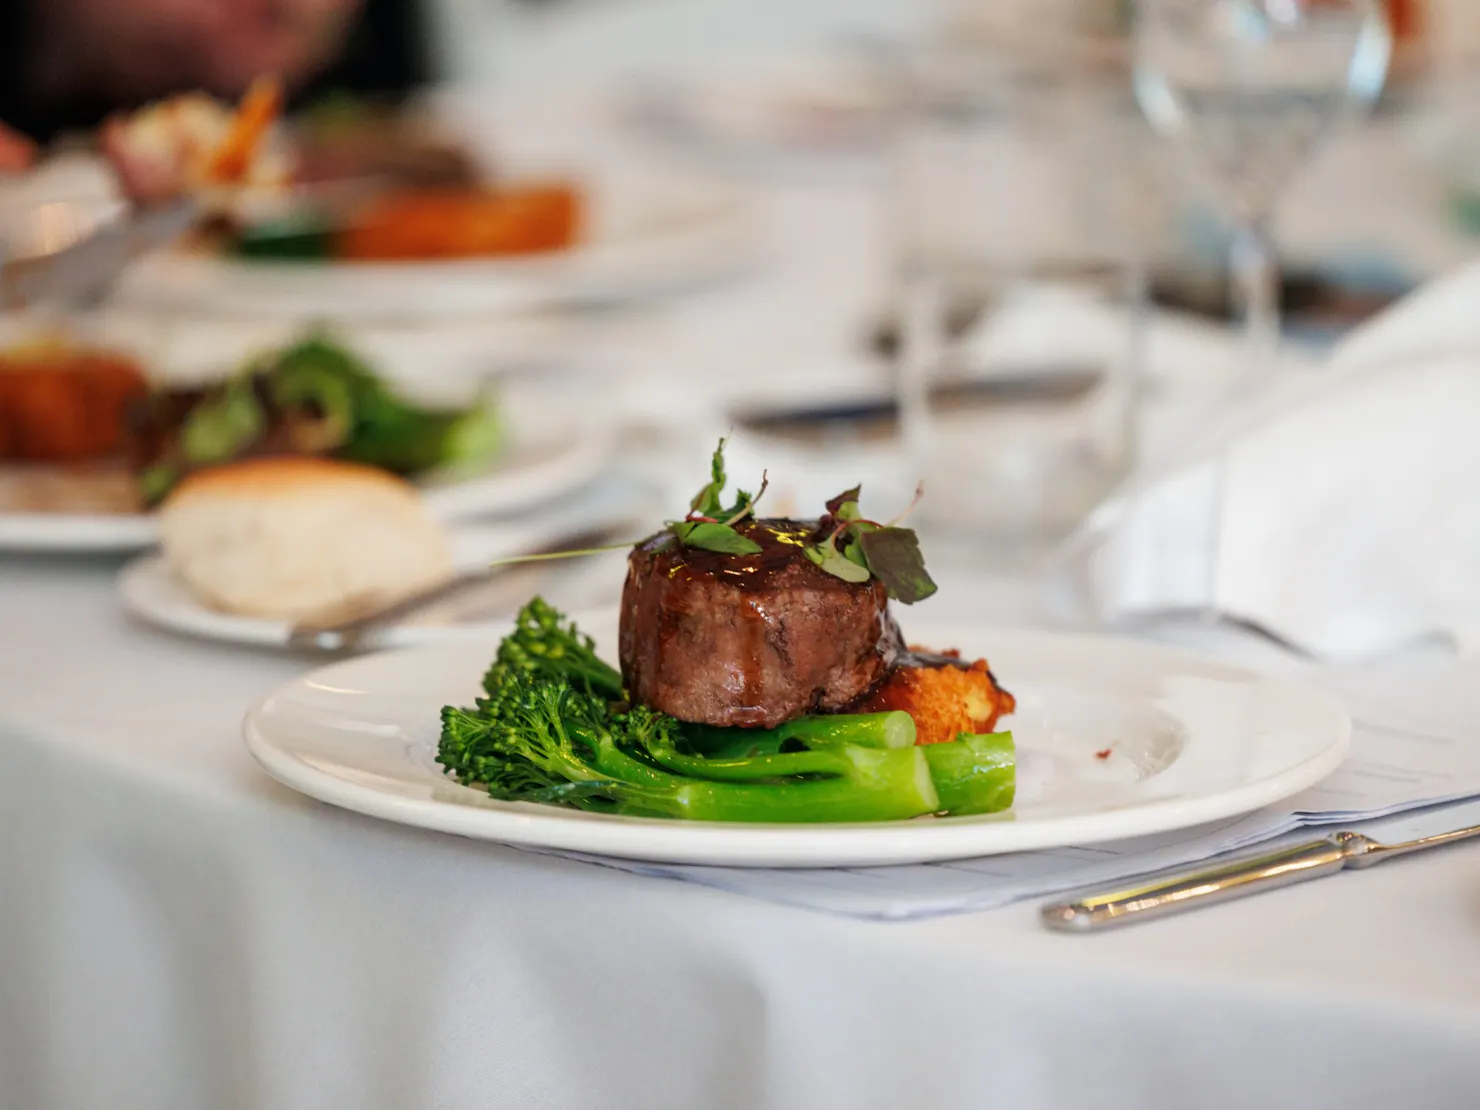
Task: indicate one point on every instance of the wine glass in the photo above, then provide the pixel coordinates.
(1249, 88)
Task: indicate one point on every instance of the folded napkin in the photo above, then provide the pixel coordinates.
(1340, 510)
(1437, 318)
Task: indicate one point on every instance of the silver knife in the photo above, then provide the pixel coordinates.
(1148, 898)
(87, 269)
(347, 631)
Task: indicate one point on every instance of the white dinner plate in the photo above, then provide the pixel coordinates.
(553, 448)
(1116, 739)
(80, 533)
(645, 235)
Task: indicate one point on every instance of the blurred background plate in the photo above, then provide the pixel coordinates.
(75, 532)
(450, 357)
(552, 448)
(647, 233)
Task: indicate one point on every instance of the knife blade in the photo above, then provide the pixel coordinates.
(878, 416)
(86, 270)
(347, 630)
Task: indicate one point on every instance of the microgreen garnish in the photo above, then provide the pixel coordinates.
(709, 525)
(854, 549)
(845, 545)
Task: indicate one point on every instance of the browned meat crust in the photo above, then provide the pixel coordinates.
(749, 641)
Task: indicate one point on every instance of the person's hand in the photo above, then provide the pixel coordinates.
(17, 152)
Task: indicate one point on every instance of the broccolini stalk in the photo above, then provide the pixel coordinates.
(833, 760)
(974, 774)
(894, 729)
(898, 787)
(862, 784)
(545, 732)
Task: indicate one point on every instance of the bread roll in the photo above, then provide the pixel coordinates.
(294, 538)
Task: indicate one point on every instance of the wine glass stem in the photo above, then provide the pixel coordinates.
(1256, 273)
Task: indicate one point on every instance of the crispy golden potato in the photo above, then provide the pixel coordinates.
(944, 700)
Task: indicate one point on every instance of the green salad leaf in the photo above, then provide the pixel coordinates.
(223, 425)
(317, 397)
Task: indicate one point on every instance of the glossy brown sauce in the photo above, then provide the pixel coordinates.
(781, 542)
(920, 657)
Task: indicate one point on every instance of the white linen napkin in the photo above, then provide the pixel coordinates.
(1349, 516)
(1438, 317)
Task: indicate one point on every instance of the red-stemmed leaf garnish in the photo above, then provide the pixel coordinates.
(855, 549)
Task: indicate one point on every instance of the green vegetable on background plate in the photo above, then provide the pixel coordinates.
(316, 397)
(299, 238)
(553, 727)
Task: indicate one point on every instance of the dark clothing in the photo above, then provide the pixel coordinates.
(385, 56)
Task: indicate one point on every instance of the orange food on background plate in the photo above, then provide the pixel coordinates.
(61, 404)
(405, 225)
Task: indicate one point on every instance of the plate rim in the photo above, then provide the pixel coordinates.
(77, 533)
(725, 240)
(523, 825)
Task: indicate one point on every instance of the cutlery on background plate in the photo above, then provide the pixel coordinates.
(353, 626)
(1144, 899)
(878, 415)
(84, 271)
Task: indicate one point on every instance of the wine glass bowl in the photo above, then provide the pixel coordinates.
(1250, 87)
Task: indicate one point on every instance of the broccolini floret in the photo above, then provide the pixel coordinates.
(545, 644)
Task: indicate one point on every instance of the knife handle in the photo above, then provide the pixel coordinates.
(1178, 892)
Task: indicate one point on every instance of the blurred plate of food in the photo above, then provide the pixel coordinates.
(254, 550)
(91, 443)
(360, 213)
(449, 356)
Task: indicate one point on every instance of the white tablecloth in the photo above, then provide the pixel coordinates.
(177, 931)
